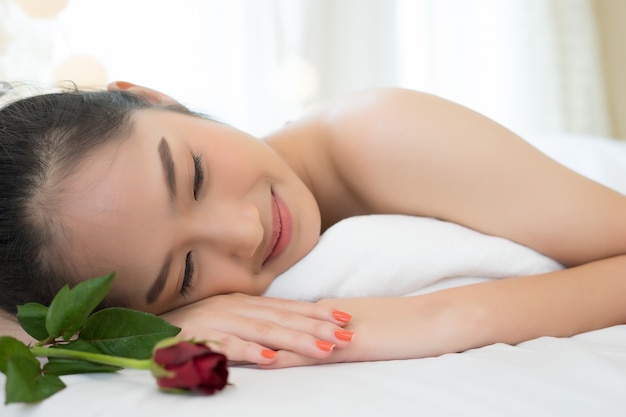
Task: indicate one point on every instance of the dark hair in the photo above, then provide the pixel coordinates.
(42, 139)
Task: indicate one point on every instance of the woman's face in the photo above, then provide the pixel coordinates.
(184, 209)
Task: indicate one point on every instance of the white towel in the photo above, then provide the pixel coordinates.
(396, 255)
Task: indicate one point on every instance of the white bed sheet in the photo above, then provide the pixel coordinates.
(582, 375)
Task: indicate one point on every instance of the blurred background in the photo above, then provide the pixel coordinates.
(536, 66)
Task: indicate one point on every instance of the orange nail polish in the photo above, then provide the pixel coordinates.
(325, 346)
(341, 316)
(344, 335)
(268, 354)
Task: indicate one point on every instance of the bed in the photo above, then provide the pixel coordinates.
(578, 376)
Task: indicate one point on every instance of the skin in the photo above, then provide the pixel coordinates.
(448, 163)
(121, 213)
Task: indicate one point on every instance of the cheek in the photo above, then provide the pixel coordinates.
(310, 222)
(128, 254)
(222, 276)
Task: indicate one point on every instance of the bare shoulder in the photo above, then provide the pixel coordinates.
(345, 148)
(404, 151)
(400, 151)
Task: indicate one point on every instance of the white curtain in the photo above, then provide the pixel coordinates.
(532, 65)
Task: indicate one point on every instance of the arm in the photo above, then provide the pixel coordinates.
(560, 304)
(397, 151)
(400, 151)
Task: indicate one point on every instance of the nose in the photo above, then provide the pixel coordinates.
(234, 229)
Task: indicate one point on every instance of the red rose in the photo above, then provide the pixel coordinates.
(189, 366)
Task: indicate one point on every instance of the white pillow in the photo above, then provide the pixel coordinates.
(396, 255)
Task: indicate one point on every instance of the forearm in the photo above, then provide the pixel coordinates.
(561, 304)
(511, 311)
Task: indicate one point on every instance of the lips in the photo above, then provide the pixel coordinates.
(281, 229)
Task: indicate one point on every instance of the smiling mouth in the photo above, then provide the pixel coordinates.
(280, 230)
(276, 230)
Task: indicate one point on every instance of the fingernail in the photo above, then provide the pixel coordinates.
(268, 354)
(344, 335)
(341, 316)
(325, 346)
(122, 85)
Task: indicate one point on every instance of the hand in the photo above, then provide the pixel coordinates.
(387, 328)
(251, 328)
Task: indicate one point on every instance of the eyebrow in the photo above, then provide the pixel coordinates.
(165, 155)
(168, 167)
(157, 287)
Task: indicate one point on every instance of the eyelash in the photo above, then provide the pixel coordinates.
(188, 275)
(198, 178)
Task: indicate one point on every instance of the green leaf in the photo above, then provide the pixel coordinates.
(70, 308)
(126, 333)
(56, 366)
(25, 383)
(11, 347)
(57, 315)
(32, 318)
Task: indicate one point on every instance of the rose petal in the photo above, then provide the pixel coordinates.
(213, 371)
(179, 353)
(186, 377)
(195, 367)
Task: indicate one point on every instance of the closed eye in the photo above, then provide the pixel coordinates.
(198, 177)
(188, 276)
(198, 180)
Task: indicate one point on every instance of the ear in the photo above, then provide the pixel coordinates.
(153, 96)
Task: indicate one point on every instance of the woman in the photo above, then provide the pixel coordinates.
(197, 218)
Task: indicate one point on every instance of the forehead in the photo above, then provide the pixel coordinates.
(129, 164)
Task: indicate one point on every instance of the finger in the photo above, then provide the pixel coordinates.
(268, 324)
(281, 337)
(285, 359)
(153, 96)
(239, 351)
(270, 328)
(288, 330)
(313, 310)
